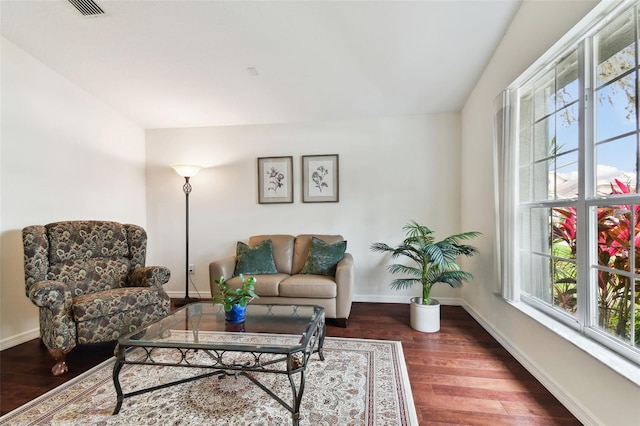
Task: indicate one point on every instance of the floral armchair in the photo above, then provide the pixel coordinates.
(89, 280)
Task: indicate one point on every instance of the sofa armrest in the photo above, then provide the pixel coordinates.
(149, 276)
(54, 295)
(57, 326)
(345, 278)
(221, 268)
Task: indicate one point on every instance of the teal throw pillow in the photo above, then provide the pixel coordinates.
(255, 260)
(323, 257)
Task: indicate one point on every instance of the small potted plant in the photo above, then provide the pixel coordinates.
(434, 262)
(235, 300)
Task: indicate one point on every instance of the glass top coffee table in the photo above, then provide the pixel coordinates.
(277, 339)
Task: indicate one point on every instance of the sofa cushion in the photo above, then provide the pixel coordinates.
(282, 249)
(302, 246)
(323, 257)
(255, 260)
(91, 275)
(81, 240)
(266, 285)
(113, 302)
(308, 286)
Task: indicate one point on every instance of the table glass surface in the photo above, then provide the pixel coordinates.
(274, 328)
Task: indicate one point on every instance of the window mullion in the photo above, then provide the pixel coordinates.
(634, 219)
(586, 183)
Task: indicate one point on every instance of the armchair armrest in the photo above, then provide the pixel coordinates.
(149, 276)
(54, 295)
(345, 277)
(221, 268)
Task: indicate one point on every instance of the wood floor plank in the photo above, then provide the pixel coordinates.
(459, 376)
(437, 417)
(543, 398)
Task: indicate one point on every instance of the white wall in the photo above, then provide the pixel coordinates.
(392, 170)
(64, 156)
(588, 387)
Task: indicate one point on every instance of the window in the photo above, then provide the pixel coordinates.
(571, 170)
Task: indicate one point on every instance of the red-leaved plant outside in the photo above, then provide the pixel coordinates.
(615, 233)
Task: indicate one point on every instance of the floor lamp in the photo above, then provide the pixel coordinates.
(187, 171)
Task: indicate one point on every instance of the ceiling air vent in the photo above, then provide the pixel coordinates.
(87, 7)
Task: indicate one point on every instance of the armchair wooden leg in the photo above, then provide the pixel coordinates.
(59, 355)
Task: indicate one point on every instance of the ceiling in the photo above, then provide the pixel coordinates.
(185, 63)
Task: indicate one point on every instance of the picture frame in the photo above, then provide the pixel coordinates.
(275, 180)
(320, 178)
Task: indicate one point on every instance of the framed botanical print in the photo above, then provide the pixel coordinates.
(275, 180)
(320, 174)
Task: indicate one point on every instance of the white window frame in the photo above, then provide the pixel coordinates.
(507, 201)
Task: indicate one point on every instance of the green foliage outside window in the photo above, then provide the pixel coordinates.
(615, 290)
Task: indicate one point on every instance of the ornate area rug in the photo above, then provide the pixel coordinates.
(361, 382)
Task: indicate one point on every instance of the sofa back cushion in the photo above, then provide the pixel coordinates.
(91, 275)
(81, 240)
(302, 246)
(88, 256)
(282, 250)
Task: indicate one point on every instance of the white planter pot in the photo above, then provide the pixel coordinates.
(425, 318)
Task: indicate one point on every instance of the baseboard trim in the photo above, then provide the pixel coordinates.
(452, 301)
(180, 294)
(547, 381)
(19, 339)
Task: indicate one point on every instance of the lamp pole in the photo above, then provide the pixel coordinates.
(186, 171)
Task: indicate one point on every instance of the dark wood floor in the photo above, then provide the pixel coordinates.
(459, 375)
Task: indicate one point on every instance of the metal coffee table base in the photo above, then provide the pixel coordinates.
(296, 364)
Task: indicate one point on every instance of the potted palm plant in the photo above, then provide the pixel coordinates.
(235, 300)
(433, 262)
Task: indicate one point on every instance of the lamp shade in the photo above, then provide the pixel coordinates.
(186, 170)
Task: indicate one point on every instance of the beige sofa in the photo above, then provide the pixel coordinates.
(288, 285)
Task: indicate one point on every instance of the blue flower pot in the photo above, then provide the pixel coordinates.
(236, 314)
